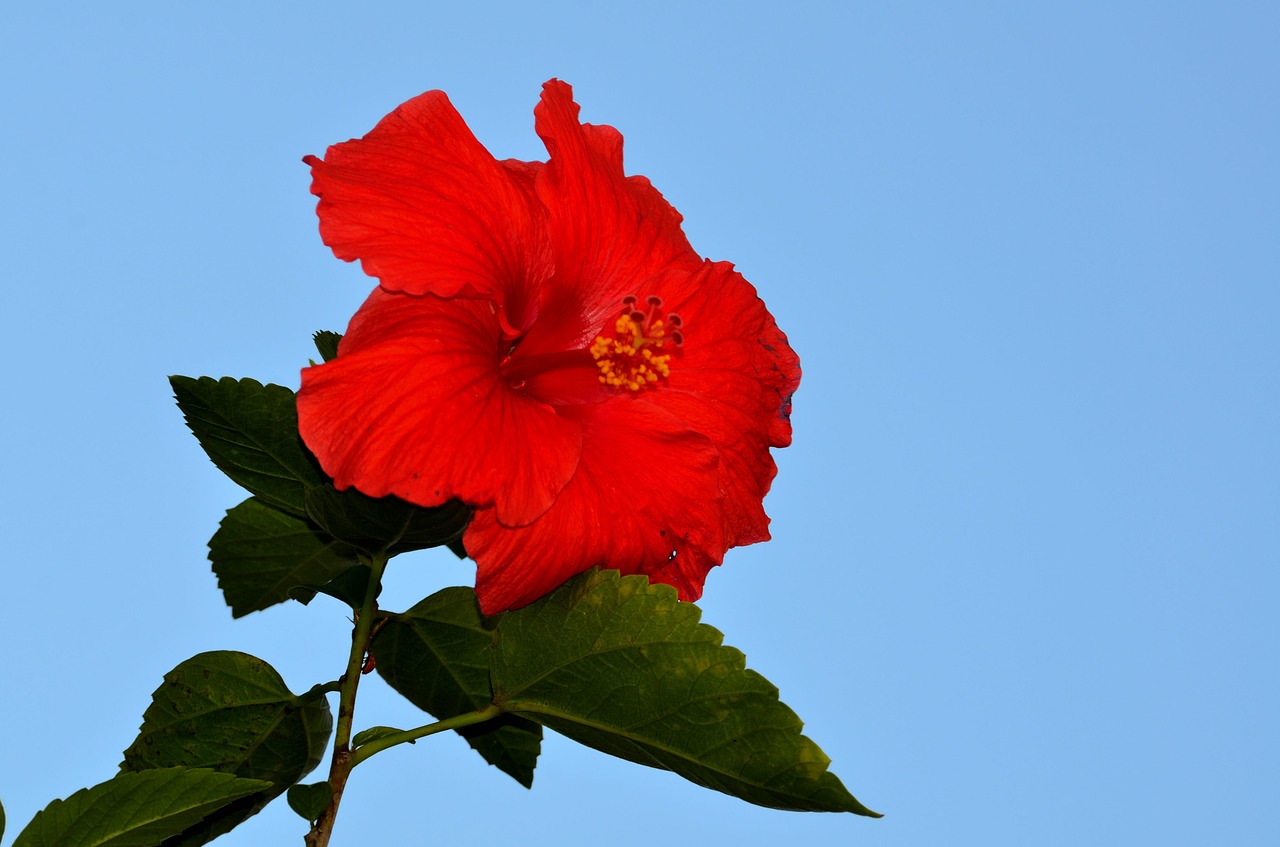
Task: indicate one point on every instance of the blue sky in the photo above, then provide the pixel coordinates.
(1023, 584)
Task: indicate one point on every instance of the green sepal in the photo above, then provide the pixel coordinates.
(389, 523)
(437, 655)
(137, 809)
(310, 801)
(250, 431)
(263, 556)
(622, 666)
(231, 712)
(326, 342)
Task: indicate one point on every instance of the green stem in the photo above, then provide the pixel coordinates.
(377, 745)
(341, 763)
(315, 692)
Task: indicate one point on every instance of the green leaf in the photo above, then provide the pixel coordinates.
(437, 655)
(349, 586)
(136, 809)
(260, 555)
(250, 431)
(222, 821)
(622, 666)
(310, 801)
(372, 523)
(1, 820)
(374, 732)
(231, 712)
(327, 344)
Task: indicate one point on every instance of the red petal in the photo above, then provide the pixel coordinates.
(415, 405)
(729, 329)
(732, 381)
(609, 233)
(427, 210)
(646, 487)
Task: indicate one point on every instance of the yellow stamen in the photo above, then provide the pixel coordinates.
(627, 360)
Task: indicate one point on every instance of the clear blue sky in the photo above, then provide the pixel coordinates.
(1023, 587)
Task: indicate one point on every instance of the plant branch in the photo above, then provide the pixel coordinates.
(341, 763)
(377, 745)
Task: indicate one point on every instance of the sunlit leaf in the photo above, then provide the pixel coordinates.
(622, 666)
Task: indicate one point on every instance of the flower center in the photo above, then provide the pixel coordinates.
(628, 360)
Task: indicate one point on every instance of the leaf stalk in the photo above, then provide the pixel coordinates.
(377, 745)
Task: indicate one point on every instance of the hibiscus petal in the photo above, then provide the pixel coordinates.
(415, 405)
(732, 381)
(645, 499)
(427, 210)
(727, 326)
(609, 233)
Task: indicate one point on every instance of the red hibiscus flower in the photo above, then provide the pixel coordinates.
(545, 346)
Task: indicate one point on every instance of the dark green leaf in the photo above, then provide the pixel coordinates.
(457, 548)
(250, 431)
(437, 655)
(310, 801)
(136, 809)
(373, 523)
(231, 712)
(622, 666)
(1, 820)
(222, 821)
(349, 586)
(261, 555)
(327, 344)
